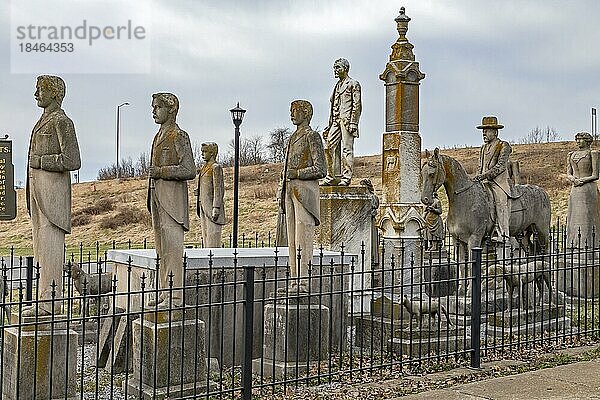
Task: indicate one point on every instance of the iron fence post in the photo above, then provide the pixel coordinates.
(248, 332)
(29, 278)
(476, 309)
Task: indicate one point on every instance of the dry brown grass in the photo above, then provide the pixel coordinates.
(124, 202)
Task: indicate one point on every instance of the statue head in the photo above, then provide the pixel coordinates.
(584, 139)
(164, 107)
(209, 151)
(490, 128)
(341, 67)
(301, 111)
(49, 89)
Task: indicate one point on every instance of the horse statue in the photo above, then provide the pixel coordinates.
(471, 207)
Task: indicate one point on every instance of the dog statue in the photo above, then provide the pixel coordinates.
(418, 307)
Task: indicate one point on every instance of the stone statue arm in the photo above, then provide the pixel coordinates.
(218, 190)
(436, 207)
(502, 163)
(356, 107)
(185, 169)
(317, 170)
(570, 175)
(69, 158)
(326, 130)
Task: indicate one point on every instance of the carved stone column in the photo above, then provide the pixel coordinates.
(400, 218)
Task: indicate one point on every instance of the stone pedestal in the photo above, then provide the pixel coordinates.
(347, 219)
(530, 322)
(40, 363)
(576, 278)
(429, 338)
(439, 273)
(169, 358)
(296, 338)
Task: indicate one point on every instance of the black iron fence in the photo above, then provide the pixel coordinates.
(241, 327)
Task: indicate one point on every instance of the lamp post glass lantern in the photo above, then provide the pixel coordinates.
(237, 115)
(118, 128)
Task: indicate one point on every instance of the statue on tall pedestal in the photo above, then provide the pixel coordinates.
(299, 188)
(210, 193)
(171, 166)
(53, 153)
(339, 135)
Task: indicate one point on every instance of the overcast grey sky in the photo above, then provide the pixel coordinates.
(530, 62)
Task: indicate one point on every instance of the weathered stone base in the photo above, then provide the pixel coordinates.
(517, 317)
(438, 272)
(535, 328)
(168, 354)
(295, 333)
(489, 305)
(527, 322)
(173, 392)
(431, 345)
(33, 358)
(578, 279)
(279, 369)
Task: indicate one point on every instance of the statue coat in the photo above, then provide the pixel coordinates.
(53, 140)
(172, 152)
(493, 162)
(211, 190)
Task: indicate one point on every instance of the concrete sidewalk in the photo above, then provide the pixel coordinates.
(580, 380)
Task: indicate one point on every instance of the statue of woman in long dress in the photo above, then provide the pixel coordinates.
(584, 201)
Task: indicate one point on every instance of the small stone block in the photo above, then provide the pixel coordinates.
(168, 354)
(296, 333)
(44, 357)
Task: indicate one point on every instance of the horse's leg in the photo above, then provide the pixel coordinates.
(464, 269)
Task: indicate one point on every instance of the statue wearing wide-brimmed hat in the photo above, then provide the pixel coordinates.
(493, 172)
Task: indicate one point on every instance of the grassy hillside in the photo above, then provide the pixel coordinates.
(116, 210)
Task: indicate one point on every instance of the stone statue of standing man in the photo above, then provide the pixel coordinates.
(171, 166)
(339, 135)
(53, 153)
(210, 192)
(299, 190)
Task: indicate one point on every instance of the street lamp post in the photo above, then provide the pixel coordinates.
(118, 127)
(594, 124)
(237, 115)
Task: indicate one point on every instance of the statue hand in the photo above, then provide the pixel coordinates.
(34, 161)
(478, 177)
(325, 133)
(215, 213)
(154, 172)
(353, 129)
(292, 173)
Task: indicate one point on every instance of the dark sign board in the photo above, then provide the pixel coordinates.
(8, 195)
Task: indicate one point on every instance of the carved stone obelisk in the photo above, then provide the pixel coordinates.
(400, 213)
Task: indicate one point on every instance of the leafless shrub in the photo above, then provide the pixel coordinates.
(126, 215)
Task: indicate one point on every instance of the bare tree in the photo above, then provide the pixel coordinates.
(252, 151)
(278, 139)
(197, 151)
(127, 168)
(539, 135)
